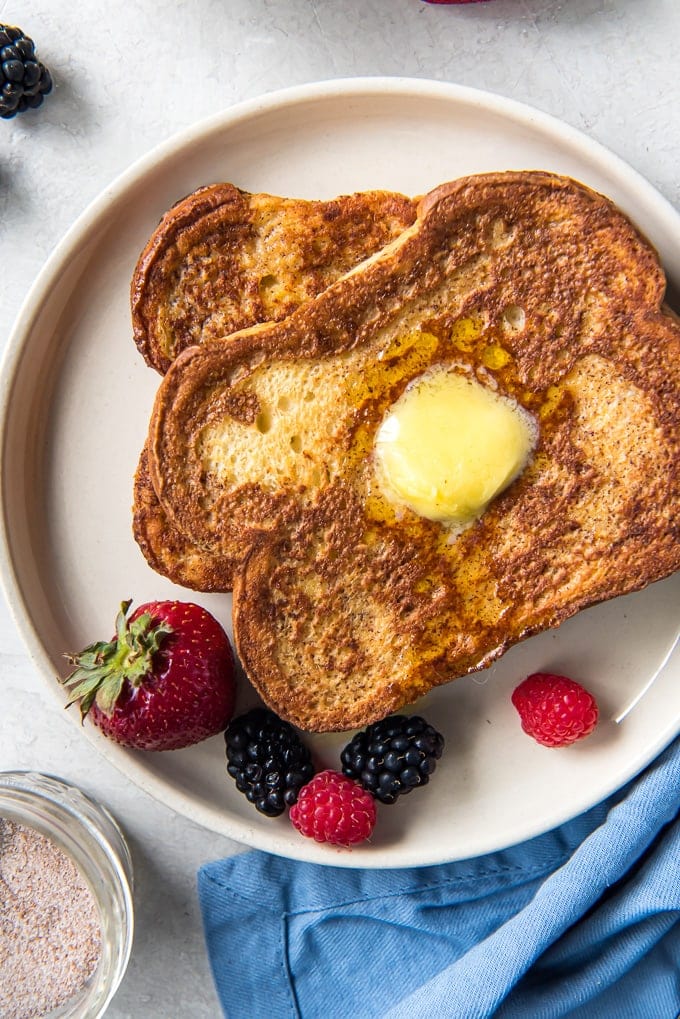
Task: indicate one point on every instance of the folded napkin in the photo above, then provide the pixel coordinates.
(582, 922)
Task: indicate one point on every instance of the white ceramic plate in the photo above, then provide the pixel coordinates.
(76, 399)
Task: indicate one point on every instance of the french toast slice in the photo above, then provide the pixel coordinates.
(347, 606)
(223, 259)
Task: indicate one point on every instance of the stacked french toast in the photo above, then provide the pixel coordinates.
(298, 340)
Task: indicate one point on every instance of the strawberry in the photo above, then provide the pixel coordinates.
(165, 681)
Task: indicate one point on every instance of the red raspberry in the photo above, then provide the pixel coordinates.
(333, 808)
(555, 710)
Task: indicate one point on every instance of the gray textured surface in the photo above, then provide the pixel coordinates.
(131, 73)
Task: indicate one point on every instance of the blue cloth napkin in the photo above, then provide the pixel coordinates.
(582, 922)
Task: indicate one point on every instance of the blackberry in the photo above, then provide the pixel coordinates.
(23, 79)
(267, 760)
(393, 756)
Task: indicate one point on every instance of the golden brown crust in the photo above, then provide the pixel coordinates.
(345, 610)
(223, 259)
(166, 550)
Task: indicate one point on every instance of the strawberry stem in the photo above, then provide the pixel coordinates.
(102, 669)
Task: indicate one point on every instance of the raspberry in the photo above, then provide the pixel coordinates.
(555, 710)
(394, 756)
(333, 808)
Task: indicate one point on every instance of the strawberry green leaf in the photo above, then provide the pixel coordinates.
(102, 669)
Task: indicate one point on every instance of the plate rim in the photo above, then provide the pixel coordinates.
(247, 836)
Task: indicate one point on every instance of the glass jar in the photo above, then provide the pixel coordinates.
(87, 833)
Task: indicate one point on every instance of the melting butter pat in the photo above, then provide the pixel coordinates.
(449, 445)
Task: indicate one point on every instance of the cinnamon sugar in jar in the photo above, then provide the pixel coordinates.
(65, 900)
